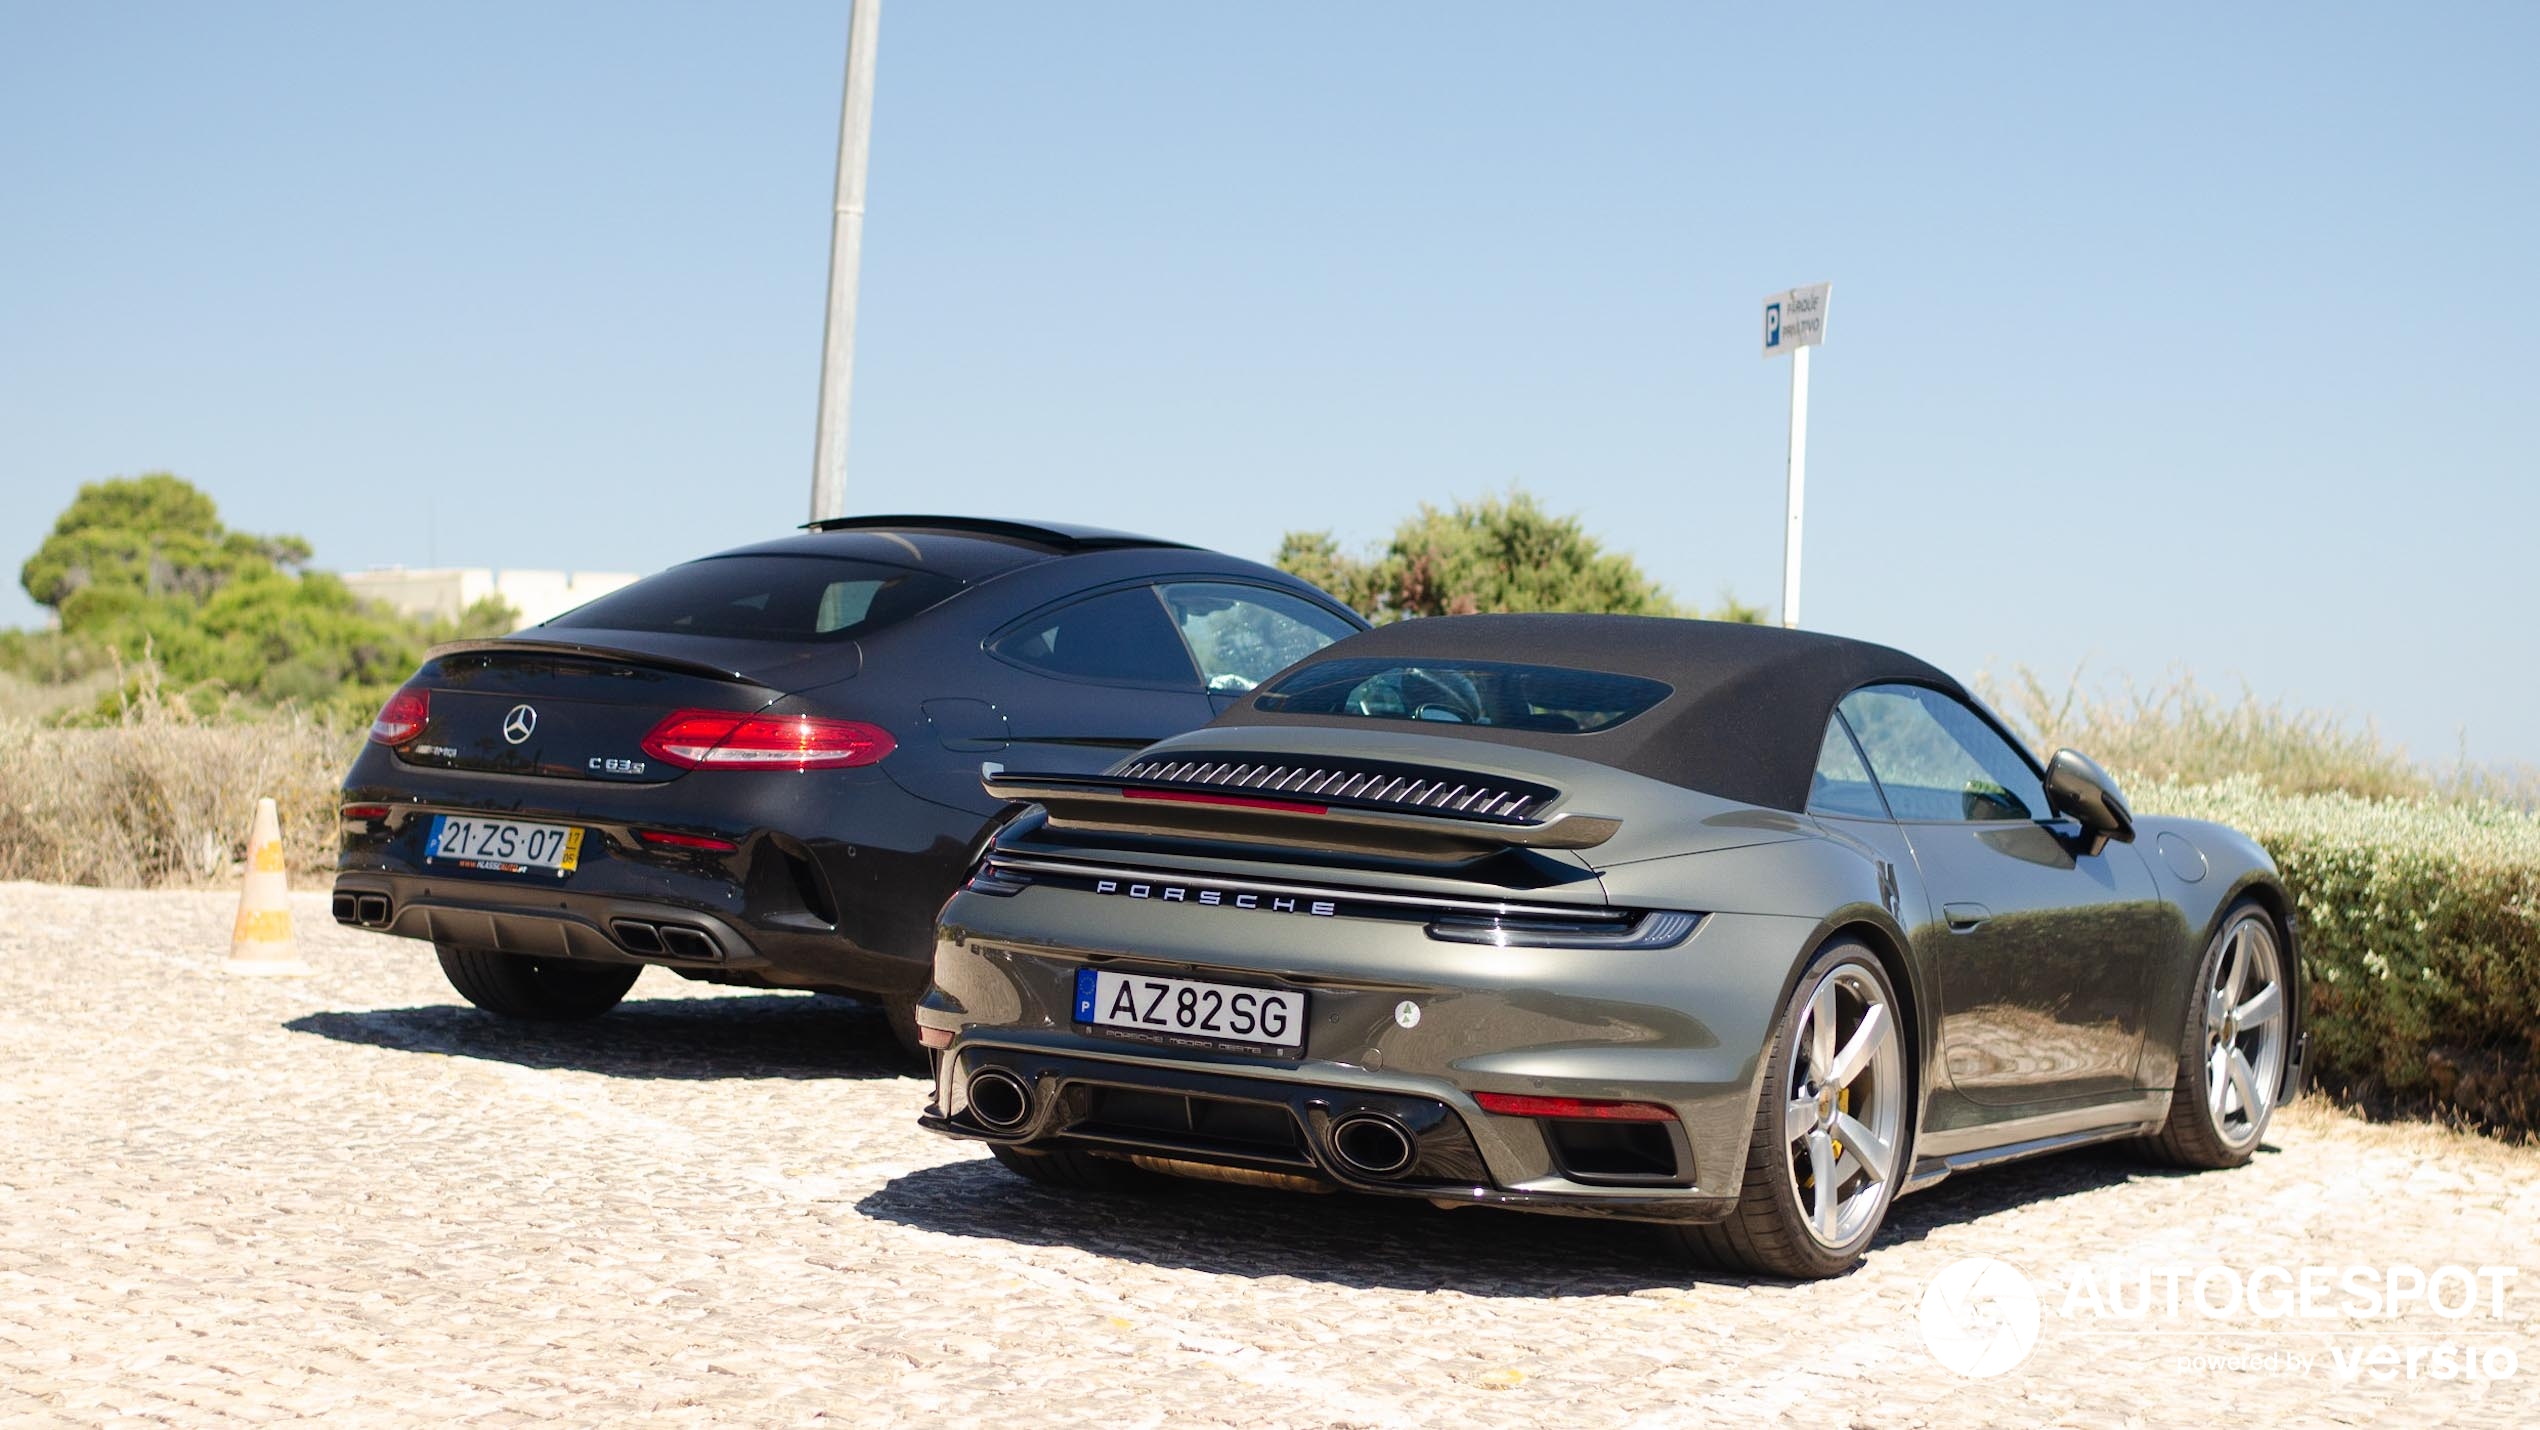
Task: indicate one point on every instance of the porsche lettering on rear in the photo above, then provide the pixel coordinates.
(1218, 898)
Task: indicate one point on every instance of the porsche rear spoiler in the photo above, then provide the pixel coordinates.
(1130, 806)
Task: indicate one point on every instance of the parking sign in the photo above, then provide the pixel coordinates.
(1796, 319)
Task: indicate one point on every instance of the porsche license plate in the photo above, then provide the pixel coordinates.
(1187, 1008)
(506, 844)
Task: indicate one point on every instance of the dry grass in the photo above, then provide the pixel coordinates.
(22, 699)
(2431, 1139)
(2182, 733)
(164, 798)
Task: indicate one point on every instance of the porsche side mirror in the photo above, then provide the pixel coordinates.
(2076, 786)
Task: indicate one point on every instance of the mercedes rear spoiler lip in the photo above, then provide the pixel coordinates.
(1136, 807)
(506, 645)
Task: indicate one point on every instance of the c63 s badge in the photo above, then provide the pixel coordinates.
(1217, 898)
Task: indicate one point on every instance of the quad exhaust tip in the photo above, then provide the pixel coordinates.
(368, 911)
(1372, 1146)
(999, 1099)
(680, 941)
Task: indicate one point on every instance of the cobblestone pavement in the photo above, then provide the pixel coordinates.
(350, 1197)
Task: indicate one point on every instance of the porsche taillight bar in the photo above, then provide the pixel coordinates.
(1109, 802)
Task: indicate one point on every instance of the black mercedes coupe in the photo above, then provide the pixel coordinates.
(762, 768)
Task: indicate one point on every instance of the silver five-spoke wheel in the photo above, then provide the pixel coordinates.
(1846, 1106)
(1834, 1126)
(2236, 1050)
(2244, 1031)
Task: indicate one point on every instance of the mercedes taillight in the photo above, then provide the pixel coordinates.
(725, 740)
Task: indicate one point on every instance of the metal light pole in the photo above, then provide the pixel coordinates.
(846, 252)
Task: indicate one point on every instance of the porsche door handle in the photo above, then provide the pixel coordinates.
(1965, 918)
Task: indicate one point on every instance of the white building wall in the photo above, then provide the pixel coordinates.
(446, 592)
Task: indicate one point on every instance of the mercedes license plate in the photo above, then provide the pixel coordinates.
(510, 845)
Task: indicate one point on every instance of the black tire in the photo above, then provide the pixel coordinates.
(1070, 1169)
(538, 990)
(2189, 1138)
(1768, 1234)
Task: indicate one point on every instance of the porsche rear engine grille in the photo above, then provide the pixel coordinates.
(1365, 784)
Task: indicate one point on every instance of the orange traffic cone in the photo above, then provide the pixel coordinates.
(261, 942)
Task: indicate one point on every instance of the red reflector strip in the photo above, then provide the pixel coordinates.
(685, 841)
(934, 1037)
(365, 811)
(1232, 801)
(1509, 1104)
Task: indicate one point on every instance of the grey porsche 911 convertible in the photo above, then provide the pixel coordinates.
(1740, 930)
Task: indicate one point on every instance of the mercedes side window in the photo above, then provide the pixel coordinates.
(1118, 638)
(1841, 784)
(1935, 759)
(1240, 636)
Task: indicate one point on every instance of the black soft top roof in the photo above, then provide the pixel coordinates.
(1745, 722)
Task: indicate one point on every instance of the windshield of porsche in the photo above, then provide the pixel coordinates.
(1464, 692)
(766, 598)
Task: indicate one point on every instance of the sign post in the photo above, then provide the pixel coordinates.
(1794, 322)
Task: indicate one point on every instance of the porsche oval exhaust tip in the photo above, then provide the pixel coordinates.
(999, 1099)
(1371, 1146)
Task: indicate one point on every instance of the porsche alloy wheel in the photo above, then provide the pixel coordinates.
(1830, 1135)
(1844, 1105)
(2232, 1067)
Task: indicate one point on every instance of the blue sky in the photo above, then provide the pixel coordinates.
(2193, 337)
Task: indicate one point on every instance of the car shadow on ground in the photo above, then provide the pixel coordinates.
(1400, 1244)
(746, 1036)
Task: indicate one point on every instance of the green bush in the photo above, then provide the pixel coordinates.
(1492, 555)
(2420, 925)
(140, 570)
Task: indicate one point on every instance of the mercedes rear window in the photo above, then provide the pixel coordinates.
(1470, 692)
(765, 598)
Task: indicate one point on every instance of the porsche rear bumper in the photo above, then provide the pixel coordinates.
(1288, 1127)
(1399, 1025)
